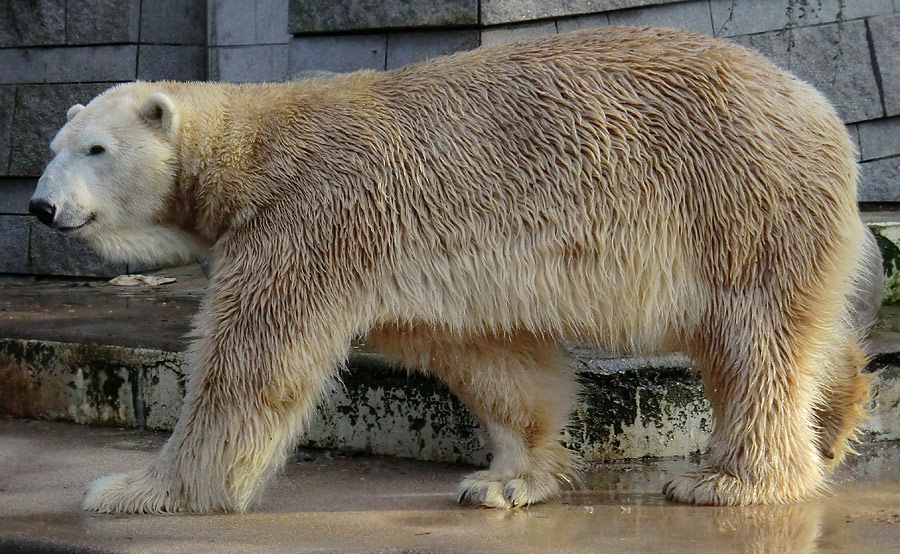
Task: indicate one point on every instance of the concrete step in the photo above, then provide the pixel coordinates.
(96, 354)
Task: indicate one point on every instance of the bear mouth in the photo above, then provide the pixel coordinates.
(73, 228)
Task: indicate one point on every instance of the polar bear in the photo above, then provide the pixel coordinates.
(642, 189)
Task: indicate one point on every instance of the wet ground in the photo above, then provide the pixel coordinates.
(325, 502)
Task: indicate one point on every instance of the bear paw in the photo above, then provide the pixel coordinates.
(710, 487)
(132, 492)
(490, 490)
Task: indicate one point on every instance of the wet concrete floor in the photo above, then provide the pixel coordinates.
(329, 503)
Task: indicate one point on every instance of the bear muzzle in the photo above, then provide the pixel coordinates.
(43, 210)
(48, 213)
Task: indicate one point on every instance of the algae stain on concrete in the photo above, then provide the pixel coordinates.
(887, 236)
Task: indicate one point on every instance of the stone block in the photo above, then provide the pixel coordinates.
(580, 22)
(829, 11)
(731, 18)
(7, 106)
(32, 22)
(520, 31)
(494, 12)
(231, 23)
(272, 22)
(102, 21)
(22, 65)
(775, 45)
(176, 63)
(340, 54)
(853, 131)
(880, 180)
(71, 64)
(40, 112)
(245, 64)
(690, 16)
(83, 64)
(358, 15)
(835, 58)
(173, 22)
(14, 230)
(885, 33)
(406, 48)
(55, 253)
(879, 138)
(15, 194)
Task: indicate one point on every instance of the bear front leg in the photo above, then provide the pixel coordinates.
(266, 355)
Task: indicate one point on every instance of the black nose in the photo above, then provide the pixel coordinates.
(42, 210)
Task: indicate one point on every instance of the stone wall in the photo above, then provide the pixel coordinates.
(56, 52)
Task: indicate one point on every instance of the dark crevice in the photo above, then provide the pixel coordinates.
(875, 69)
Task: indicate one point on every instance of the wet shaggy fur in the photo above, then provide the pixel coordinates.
(641, 189)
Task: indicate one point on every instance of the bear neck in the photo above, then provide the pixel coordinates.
(215, 183)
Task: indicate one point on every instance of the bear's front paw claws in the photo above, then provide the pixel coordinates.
(483, 489)
(134, 492)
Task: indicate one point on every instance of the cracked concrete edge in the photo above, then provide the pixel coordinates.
(629, 408)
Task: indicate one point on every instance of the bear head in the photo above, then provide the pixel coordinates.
(113, 174)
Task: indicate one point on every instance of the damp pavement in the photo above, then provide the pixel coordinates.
(326, 502)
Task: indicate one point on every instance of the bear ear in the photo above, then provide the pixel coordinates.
(73, 111)
(159, 111)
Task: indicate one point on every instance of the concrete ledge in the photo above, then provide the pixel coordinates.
(629, 408)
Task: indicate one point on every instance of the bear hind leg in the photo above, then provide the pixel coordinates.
(522, 392)
(843, 393)
(761, 378)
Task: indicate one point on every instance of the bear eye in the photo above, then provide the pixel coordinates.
(96, 149)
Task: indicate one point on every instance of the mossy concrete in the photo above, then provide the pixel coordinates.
(628, 409)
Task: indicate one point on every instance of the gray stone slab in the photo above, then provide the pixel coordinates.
(690, 16)
(23, 65)
(7, 106)
(40, 112)
(836, 59)
(775, 45)
(880, 180)
(853, 131)
(406, 48)
(272, 22)
(879, 138)
(244, 64)
(102, 21)
(743, 17)
(885, 33)
(175, 63)
(505, 34)
(71, 64)
(54, 253)
(90, 64)
(580, 22)
(494, 12)
(356, 15)
(14, 195)
(173, 22)
(232, 22)
(815, 12)
(340, 54)
(32, 22)
(14, 231)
